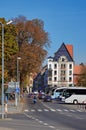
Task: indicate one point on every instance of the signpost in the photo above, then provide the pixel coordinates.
(15, 86)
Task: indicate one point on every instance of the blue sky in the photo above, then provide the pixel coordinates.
(64, 20)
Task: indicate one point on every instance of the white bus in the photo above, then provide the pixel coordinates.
(74, 95)
(57, 92)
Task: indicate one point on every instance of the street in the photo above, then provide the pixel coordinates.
(46, 116)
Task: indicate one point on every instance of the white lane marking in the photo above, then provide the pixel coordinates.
(32, 110)
(39, 110)
(52, 109)
(36, 119)
(72, 110)
(40, 121)
(79, 110)
(26, 110)
(65, 110)
(45, 123)
(46, 110)
(52, 126)
(58, 109)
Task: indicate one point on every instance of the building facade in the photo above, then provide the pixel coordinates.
(60, 67)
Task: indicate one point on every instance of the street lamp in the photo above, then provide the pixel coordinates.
(18, 76)
(3, 66)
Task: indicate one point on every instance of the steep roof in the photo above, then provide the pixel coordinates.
(63, 51)
(70, 49)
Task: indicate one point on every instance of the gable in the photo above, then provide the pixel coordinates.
(63, 51)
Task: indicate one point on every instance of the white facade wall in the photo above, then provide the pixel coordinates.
(68, 76)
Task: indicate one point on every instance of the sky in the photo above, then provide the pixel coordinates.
(64, 20)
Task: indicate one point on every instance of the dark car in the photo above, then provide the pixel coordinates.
(41, 95)
(47, 98)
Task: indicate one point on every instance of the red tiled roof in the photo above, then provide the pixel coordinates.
(78, 69)
(70, 49)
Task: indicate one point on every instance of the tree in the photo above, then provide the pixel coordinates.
(32, 39)
(10, 46)
(31, 32)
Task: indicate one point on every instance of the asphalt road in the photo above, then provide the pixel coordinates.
(46, 116)
(58, 116)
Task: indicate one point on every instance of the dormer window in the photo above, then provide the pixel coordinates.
(62, 59)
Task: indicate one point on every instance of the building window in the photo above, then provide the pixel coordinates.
(49, 72)
(70, 66)
(55, 78)
(55, 66)
(70, 79)
(62, 72)
(63, 59)
(49, 66)
(62, 78)
(63, 66)
(70, 72)
(50, 79)
(55, 72)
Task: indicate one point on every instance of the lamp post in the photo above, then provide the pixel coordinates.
(18, 77)
(2, 70)
(2, 25)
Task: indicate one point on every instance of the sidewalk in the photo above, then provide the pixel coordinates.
(12, 108)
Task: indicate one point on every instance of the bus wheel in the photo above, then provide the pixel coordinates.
(75, 102)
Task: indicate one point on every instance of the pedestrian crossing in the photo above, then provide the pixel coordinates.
(53, 110)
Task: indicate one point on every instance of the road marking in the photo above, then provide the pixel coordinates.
(72, 110)
(65, 110)
(46, 110)
(32, 110)
(58, 109)
(39, 110)
(79, 110)
(40, 121)
(52, 109)
(52, 126)
(45, 123)
(36, 119)
(26, 110)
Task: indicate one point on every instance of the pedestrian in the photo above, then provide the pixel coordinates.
(34, 99)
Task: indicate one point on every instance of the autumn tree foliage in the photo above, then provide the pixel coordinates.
(10, 46)
(32, 40)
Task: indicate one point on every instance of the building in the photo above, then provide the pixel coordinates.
(40, 81)
(79, 75)
(60, 67)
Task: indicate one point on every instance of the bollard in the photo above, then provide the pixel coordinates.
(6, 110)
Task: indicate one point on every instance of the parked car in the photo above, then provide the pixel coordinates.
(41, 95)
(30, 95)
(47, 98)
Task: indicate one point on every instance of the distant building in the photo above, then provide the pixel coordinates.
(79, 71)
(60, 67)
(40, 81)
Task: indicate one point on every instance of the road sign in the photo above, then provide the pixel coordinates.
(11, 85)
(17, 90)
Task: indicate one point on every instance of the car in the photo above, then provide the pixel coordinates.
(30, 95)
(47, 98)
(41, 95)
